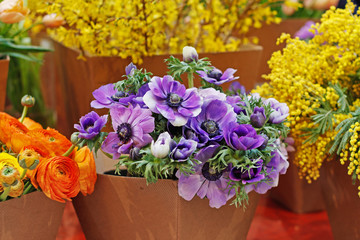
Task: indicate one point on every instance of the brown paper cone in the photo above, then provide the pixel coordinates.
(78, 78)
(126, 208)
(4, 68)
(296, 194)
(33, 216)
(341, 200)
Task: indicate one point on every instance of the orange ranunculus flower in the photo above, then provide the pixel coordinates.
(31, 124)
(9, 126)
(58, 178)
(20, 140)
(85, 160)
(12, 11)
(55, 142)
(53, 20)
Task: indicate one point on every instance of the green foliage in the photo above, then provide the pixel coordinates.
(134, 81)
(324, 118)
(95, 143)
(152, 168)
(177, 67)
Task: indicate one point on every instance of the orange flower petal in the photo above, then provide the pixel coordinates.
(9, 126)
(85, 160)
(58, 178)
(31, 124)
(56, 143)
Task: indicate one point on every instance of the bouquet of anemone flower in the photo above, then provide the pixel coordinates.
(319, 80)
(217, 145)
(33, 158)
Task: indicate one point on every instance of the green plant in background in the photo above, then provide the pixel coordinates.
(25, 59)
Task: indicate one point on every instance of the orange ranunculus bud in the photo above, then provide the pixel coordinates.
(8, 175)
(31, 124)
(16, 189)
(85, 160)
(9, 126)
(55, 142)
(58, 178)
(53, 20)
(12, 11)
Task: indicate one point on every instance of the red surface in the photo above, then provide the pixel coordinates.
(271, 222)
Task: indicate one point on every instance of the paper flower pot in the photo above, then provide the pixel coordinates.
(341, 200)
(33, 216)
(79, 78)
(296, 194)
(4, 68)
(127, 208)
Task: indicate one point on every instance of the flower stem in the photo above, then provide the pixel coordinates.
(23, 173)
(24, 113)
(5, 194)
(25, 30)
(27, 189)
(190, 79)
(67, 153)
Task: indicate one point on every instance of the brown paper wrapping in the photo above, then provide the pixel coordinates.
(78, 78)
(33, 216)
(296, 194)
(268, 34)
(4, 68)
(341, 200)
(127, 208)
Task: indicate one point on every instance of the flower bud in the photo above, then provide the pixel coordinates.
(12, 11)
(129, 70)
(53, 20)
(28, 159)
(74, 138)
(16, 189)
(28, 101)
(161, 147)
(135, 154)
(190, 54)
(8, 175)
(258, 118)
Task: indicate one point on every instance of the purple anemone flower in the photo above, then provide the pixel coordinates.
(277, 165)
(90, 125)
(183, 150)
(236, 88)
(209, 94)
(304, 32)
(140, 94)
(242, 137)
(237, 104)
(129, 70)
(253, 175)
(258, 118)
(132, 126)
(280, 111)
(206, 181)
(107, 96)
(209, 125)
(171, 99)
(216, 77)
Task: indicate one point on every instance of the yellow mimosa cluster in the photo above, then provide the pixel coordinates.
(302, 75)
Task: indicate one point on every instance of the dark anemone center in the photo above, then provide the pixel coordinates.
(124, 132)
(118, 95)
(173, 100)
(88, 123)
(215, 73)
(210, 174)
(211, 127)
